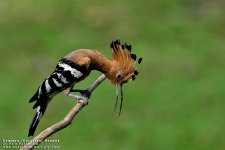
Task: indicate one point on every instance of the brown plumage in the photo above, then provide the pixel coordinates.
(123, 62)
(76, 66)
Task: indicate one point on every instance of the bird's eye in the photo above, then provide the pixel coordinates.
(118, 76)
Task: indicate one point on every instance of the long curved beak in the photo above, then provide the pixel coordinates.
(121, 98)
(119, 88)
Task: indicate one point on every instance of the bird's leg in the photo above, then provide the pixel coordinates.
(84, 93)
(82, 99)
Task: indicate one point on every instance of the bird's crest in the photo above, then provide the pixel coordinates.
(124, 61)
(124, 66)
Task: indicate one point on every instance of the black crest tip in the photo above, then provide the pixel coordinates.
(133, 77)
(129, 47)
(134, 57)
(112, 44)
(136, 72)
(139, 60)
(117, 42)
(126, 46)
(122, 46)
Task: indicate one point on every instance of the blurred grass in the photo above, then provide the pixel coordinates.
(177, 102)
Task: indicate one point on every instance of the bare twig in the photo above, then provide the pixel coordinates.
(63, 123)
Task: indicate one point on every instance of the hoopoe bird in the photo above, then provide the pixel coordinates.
(76, 66)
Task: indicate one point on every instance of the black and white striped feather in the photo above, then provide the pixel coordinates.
(65, 74)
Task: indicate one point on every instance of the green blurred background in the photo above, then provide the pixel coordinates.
(177, 101)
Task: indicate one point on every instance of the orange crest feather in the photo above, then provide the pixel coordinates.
(124, 60)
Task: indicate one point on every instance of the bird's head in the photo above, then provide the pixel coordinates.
(123, 69)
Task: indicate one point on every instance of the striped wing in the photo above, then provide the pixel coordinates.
(66, 74)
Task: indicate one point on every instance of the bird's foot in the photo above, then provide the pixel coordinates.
(80, 99)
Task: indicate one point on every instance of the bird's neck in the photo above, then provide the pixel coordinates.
(101, 63)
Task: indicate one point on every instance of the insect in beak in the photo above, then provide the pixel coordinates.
(119, 88)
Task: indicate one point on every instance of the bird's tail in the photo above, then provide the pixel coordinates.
(41, 98)
(39, 113)
(40, 105)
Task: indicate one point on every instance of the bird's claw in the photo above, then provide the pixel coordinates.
(83, 100)
(86, 93)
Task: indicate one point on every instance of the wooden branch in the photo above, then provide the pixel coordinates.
(65, 122)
